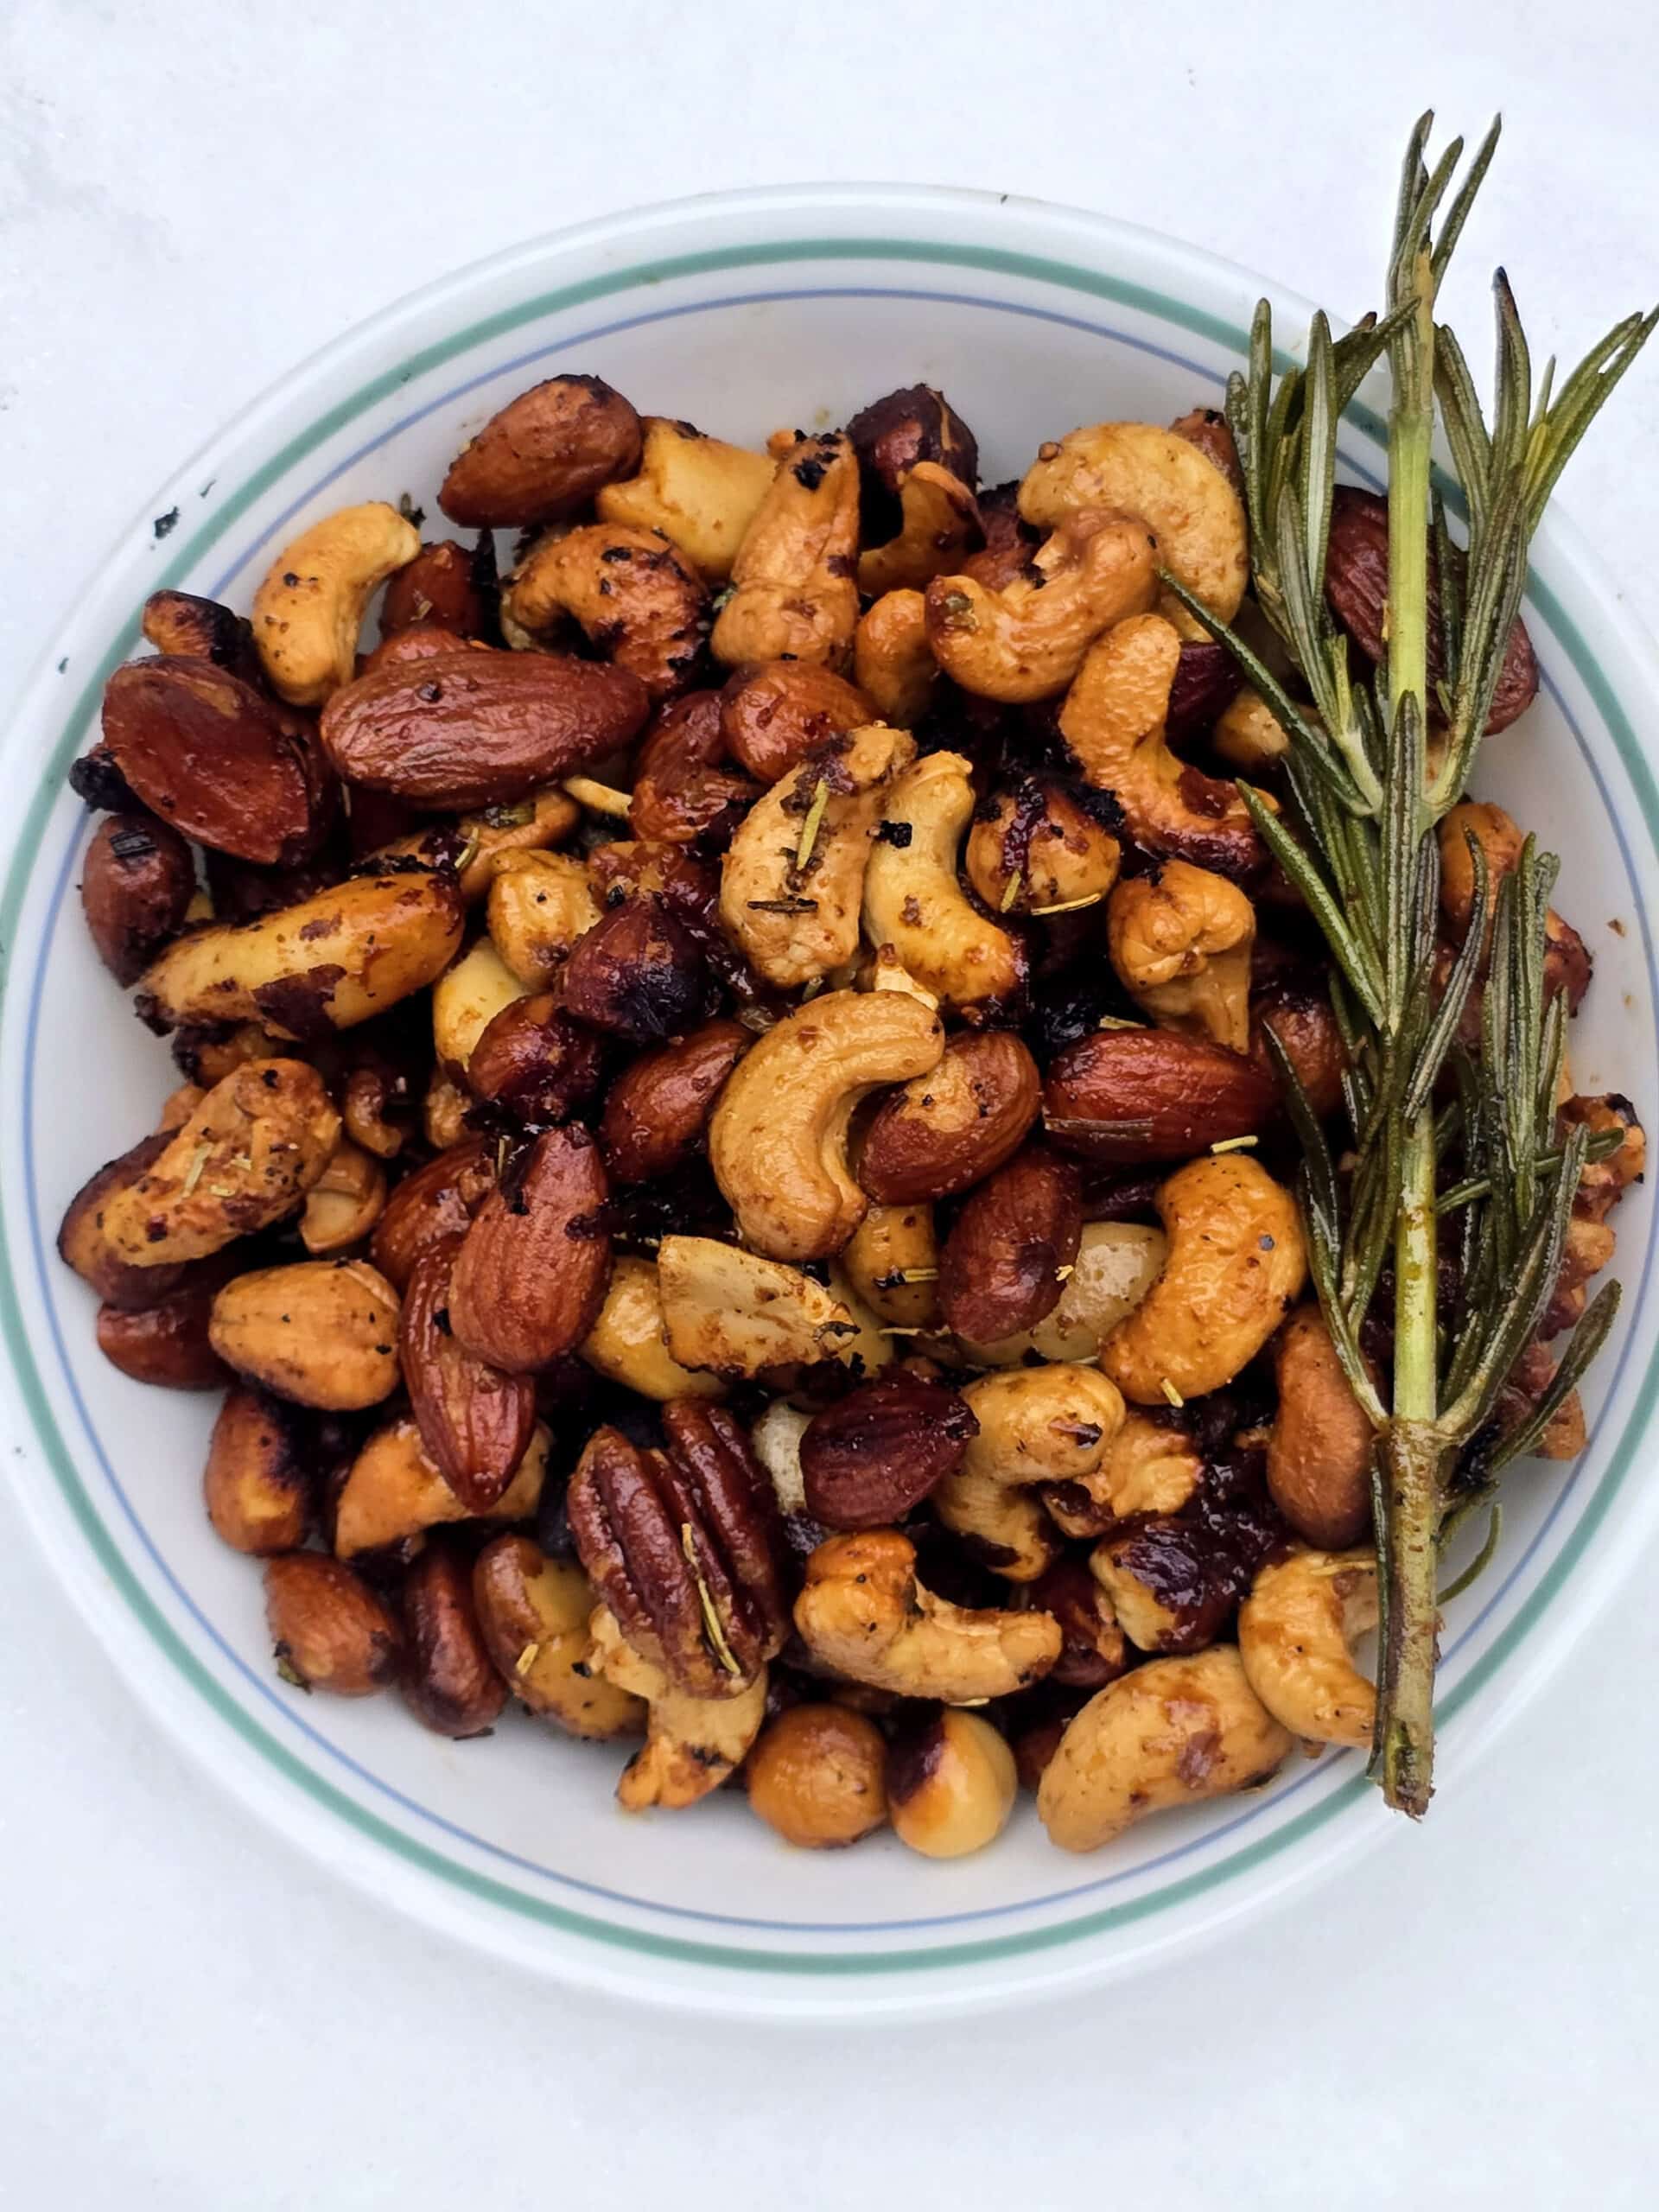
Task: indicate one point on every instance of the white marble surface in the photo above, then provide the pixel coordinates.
(192, 2019)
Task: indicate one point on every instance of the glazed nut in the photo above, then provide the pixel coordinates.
(792, 882)
(1162, 1578)
(1035, 848)
(1568, 963)
(449, 1682)
(1180, 941)
(84, 1245)
(1096, 1651)
(793, 589)
(217, 759)
(344, 1204)
(320, 1333)
(1052, 1423)
(372, 1100)
(308, 611)
(903, 428)
(872, 1457)
(1012, 1246)
(683, 1548)
(637, 974)
(433, 1203)
(393, 1493)
(699, 492)
(637, 599)
(1208, 429)
(737, 1314)
(893, 659)
(443, 1111)
(1296, 1632)
(181, 624)
(775, 712)
(778, 1140)
(136, 883)
(447, 586)
(1322, 1443)
(475, 728)
(684, 792)
(472, 844)
(330, 1631)
(166, 1345)
(544, 455)
(892, 1263)
(465, 1000)
(530, 1276)
(1116, 1265)
(1248, 735)
(1162, 477)
(1237, 1264)
(1115, 720)
(1126, 1096)
(954, 1125)
(913, 899)
(692, 1745)
(864, 1614)
(1147, 1467)
(1299, 1014)
(540, 905)
(475, 1421)
(1002, 1527)
(255, 1485)
(628, 1342)
(938, 528)
(657, 1111)
(817, 1776)
(533, 1613)
(1170, 1733)
(950, 1785)
(246, 1157)
(326, 963)
(535, 1063)
(1025, 639)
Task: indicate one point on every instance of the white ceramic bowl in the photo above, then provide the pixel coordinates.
(739, 312)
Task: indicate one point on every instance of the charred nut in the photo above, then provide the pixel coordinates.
(449, 1682)
(258, 1490)
(1037, 847)
(320, 1333)
(530, 1277)
(136, 883)
(872, 1457)
(793, 589)
(1096, 1651)
(533, 1613)
(637, 974)
(166, 1345)
(330, 1631)
(535, 1063)
(950, 1128)
(1008, 1257)
(637, 600)
(542, 456)
(950, 1785)
(817, 1776)
(84, 1245)
(449, 586)
(179, 622)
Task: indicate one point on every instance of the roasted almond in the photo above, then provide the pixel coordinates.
(684, 791)
(331, 1632)
(872, 1457)
(1122, 1097)
(322, 1332)
(449, 1682)
(544, 455)
(535, 1062)
(435, 1202)
(530, 1277)
(136, 881)
(477, 729)
(1013, 1245)
(945, 1131)
(224, 764)
(1299, 1014)
(255, 1485)
(474, 1421)
(657, 1111)
(773, 713)
(166, 1345)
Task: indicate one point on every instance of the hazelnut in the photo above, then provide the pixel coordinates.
(871, 1458)
(950, 1785)
(816, 1775)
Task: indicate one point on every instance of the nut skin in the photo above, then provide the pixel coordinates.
(392, 1494)
(445, 586)
(180, 623)
(536, 1063)
(1160, 1577)
(951, 1785)
(629, 1510)
(778, 1141)
(637, 974)
(449, 1682)
(165, 1344)
(1117, 1263)
(530, 1277)
(475, 729)
(533, 1613)
(999, 1268)
(793, 586)
(1206, 683)
(330, 1631)
(699, 492)
(434, 1202)
(475, 1421)
(872, 1457)
(817, 1776)
(136, 881)
(255, 1485)
(893, 433)
(308, 610)
(1356, 585)
(773, 713)
(658, 1111)
(1321, 1447)
(542, 456)
(948, 1130)
(639, 603)
(1125, 1096)
(1208, 429)
(320, 1333)
(546, 819)
(218, 761)
(683, 791)
(84, 1245)
(1299, 1014)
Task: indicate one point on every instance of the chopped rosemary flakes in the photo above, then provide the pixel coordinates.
(598, 798)
(711, 1627)
(1235, 1144)
(1071, 905)
(198, 1161)
(1011, 890)
(1170, 1391)
(810, 826)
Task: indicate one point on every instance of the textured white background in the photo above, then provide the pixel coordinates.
(194, 194)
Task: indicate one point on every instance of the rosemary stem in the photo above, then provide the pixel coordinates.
(1411, 432)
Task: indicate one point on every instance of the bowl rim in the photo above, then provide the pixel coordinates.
(1538, 1643)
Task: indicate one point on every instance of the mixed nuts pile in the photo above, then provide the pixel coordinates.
(730, 1167)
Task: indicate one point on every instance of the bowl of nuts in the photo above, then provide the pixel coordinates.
(843, 1140)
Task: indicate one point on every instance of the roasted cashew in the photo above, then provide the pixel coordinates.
(1180, 941)
(533, 1613)
(344, 1202)
(778, 1140)
(1203, 537)
(792, 882)
(540, 905)
(628, 1344)
(692, 1744)
(466, 999)
(393, 1494)
(1027, 639)
(1035, 848)
(1237, 1264)
(545, 819)
(863, 1613)
(1051, 1424)
(914, 902)
(1248, 735)
(1006, 1527)
(1295, 1634)
(1322, 1443)
(699, 493)
(1114, 721)
(635, 598)
(735, 1314)
(794, 586)
(939, 528)
(777, 1440)
(1148, 1468)
(892, 661)
(1116, 1265)
(1170, 1733)
(309, 611)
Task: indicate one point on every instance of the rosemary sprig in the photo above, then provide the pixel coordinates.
(1358, 840)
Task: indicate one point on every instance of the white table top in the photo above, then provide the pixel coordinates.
(193, 2017)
